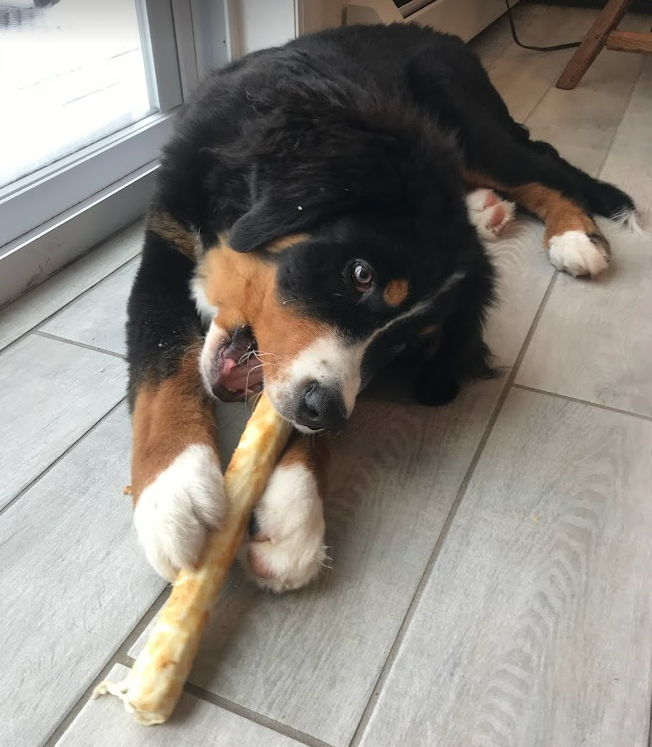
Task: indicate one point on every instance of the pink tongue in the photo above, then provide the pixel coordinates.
(237, 378)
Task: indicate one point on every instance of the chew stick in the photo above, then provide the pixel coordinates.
(153, 687)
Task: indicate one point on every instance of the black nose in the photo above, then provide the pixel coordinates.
(321, 407)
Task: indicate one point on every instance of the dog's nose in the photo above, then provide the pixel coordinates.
(321, 407)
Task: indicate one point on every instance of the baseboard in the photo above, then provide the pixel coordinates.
(31, 259)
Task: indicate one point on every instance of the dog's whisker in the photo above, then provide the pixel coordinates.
(249, 372)
(245, 356)
(258, 396)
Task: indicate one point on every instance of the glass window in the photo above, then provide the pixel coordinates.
(73, 71)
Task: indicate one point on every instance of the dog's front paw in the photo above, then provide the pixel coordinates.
(177, 509)
(286, 548)
(578, 254)
(436, 390)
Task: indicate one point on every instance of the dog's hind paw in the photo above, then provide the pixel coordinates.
(488, 213)
(578, 254)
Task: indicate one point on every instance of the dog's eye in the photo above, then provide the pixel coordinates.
(362, 276)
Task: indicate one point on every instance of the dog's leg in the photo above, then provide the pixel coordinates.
(499, 154)
(285, 549)
(454, 351)
(177, 483)
(572, 239)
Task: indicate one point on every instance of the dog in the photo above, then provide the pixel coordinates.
(319, 213)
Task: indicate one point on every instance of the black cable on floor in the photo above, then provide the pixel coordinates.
(555, 48)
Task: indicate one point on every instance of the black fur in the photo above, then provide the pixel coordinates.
(357, 136)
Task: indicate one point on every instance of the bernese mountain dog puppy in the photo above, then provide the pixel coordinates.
(318, 213)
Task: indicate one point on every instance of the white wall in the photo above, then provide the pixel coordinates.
(264, 23)
(320, 14)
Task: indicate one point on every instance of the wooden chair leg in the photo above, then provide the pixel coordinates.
(630, 41)
(593, 43)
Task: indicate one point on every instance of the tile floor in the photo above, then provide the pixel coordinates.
(490, 581)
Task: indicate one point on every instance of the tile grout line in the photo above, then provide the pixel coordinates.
(255, 717)
(86, 253)
(46, 319)
(124, 659)
(620, 124)
(441, 539)
(586, 402)
(649, 727)
(114, 659)
(66, 451)
(543, 95)
(78, 344)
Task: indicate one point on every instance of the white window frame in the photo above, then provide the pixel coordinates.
(50, 217)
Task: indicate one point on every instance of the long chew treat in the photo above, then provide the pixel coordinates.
(154, 685)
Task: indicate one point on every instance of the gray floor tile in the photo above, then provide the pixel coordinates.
(50, 394)
(582, 123)
(523, 76)
(496, 40)
(629, 163)
(535, 627)
(104, 723)
(34, 307)
(73, 583)
(523, 276)
(99, 317)
(594, 339)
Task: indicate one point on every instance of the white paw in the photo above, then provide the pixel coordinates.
(575, 253)
(288, 550)
(488, 213)
(175, 512)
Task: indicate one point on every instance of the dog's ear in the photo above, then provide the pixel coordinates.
(270, 218)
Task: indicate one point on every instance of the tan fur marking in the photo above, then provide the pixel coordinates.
(243, 288)
(169, 228)
(396, 291)
(428, 331)
(169, 417)
(285, 242)
(559, 213)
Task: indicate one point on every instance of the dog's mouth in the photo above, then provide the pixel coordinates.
(237, 371)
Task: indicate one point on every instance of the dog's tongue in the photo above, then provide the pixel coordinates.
(241, 370)
(239, 377)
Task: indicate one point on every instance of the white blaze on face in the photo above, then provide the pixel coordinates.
(330, 362)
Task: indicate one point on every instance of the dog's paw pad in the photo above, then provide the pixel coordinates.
(488, 213)
(578, 254)
(287, 550)
(175, 512)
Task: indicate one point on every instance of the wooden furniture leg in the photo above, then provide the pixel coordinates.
(593, 43)
(630, 41)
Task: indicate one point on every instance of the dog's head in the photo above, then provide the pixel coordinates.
(355, 242)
